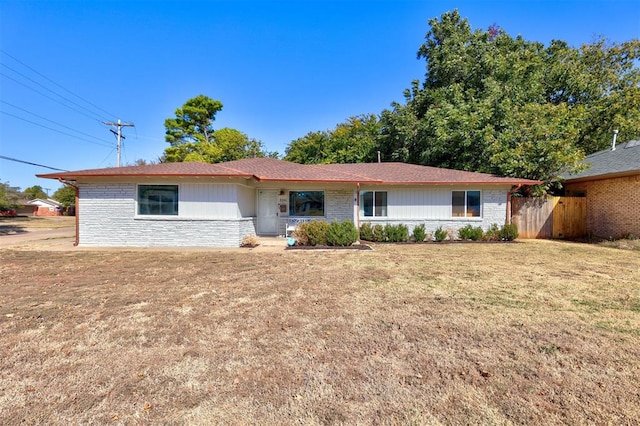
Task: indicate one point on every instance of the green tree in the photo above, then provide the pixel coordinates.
(193, 122)
(504, 105)
(193, 138)
(353, 141)
(10, 196)
(34, 192)
(65, 195)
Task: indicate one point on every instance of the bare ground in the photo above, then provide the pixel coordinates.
(535, 332)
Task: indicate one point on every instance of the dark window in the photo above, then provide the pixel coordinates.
(306, 203)
(373, 203)
(160, 200)
(465, 203)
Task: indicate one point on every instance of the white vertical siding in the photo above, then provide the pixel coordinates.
(414, 203)
(206, 200)
(246, 201)
(431, 206)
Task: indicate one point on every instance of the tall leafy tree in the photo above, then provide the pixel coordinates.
(497, 104)
(353, 141)
(34, 192)
(65, 195)
(10, 196)
(192, 137)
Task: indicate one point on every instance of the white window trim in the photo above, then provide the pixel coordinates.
(137, 215)
(465, 217)
(361, 207)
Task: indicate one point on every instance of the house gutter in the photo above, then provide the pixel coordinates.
(358, 206)
(509, 194)
(75, 187)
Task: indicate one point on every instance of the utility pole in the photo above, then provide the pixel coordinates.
(119, 125)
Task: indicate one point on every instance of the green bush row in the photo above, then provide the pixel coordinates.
(400, 233)
(387, 233)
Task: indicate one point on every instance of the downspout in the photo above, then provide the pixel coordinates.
(358, 206)
(67, 183)
(509, 194)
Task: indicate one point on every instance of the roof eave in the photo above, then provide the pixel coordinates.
(603, 176)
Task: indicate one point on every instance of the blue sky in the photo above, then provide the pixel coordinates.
(280, 68)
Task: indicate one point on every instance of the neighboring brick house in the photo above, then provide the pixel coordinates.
(46, 207)
(217, 205)
(612, 187)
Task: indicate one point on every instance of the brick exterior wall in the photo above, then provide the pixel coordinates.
(613, 206)
(106, 215)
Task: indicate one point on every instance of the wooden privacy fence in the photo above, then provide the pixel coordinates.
(550, 217)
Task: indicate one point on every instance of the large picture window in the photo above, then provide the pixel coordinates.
(306, 203)
(465, 203)
(373, 203)
(160, 200)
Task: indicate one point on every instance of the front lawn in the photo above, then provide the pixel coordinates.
(526, 333)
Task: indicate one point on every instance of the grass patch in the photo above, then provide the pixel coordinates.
(535, 332)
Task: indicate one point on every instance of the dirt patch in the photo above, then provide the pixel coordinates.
(353, 247)
(530, 333)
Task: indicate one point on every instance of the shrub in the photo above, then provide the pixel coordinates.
(311, 233)
(418, 233)
(440, 234)
(341, 233)
(366, 232)
(300, 234)
(397, 233)
(379, 234)
(470, 233)
(492, 234)
(250, 241)
(509, 232)
(317, 232)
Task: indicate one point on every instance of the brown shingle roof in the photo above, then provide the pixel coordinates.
(270, 169)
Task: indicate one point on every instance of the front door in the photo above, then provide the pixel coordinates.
(267, 212)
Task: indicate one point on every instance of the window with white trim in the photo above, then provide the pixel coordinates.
(158, 200)
(465, 203)
(373, 203)
(306, 203)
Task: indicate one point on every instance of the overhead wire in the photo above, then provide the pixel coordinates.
(51, 121)
(105, 158)
(32, 164)
(52, 129)
(65, 101)
(54, 92)
(52, 98)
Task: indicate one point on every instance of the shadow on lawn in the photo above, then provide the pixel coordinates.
(12, 229)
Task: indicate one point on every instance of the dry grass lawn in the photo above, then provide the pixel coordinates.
(526, 333)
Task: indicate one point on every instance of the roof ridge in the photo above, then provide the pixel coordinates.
(349, 174)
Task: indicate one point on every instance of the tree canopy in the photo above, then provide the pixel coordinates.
(353, 141)
(10, 196)
(65, 195)
(497, 104)
(34, 192)
(192, 137)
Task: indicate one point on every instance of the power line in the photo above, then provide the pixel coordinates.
(55, 83)
(52, 129)
(49, 90)
(51, 121)
(31, 164)
(49, 97)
